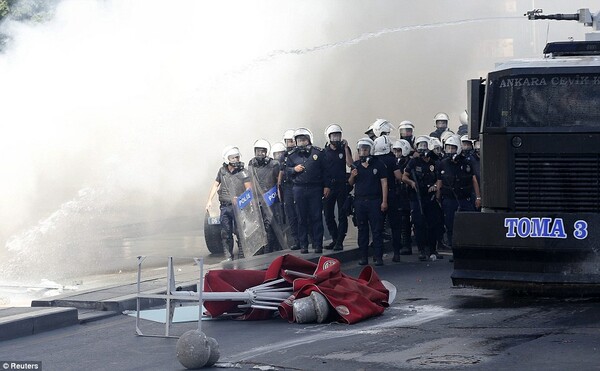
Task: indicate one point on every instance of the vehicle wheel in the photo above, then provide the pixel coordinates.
(212, 236)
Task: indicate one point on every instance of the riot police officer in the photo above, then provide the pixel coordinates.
(338, 156)
(306, 167)
(420, 175)
(264, 172)
(441, 124)
(456, 182)
(369, 178)
(232, 179)
(402, 150)
(383, 153)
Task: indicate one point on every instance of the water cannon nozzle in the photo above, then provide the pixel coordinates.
(531, 14)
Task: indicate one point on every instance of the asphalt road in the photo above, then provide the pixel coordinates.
(430, 325)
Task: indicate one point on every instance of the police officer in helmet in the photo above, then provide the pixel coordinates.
(307, 169)
(338, 155)
(420, 175)
(264, 172)
(232, 180)
(456, 182)
(369, 178)
(402, 150)
(286, 191)
(441, 124)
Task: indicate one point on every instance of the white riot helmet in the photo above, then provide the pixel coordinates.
(404, 127)
(229, 153)
(435, 145)
(382, 145)
(440, 121)
(403, 146)
(288, 139)
(262, 148)
(382, 127)
(288, 134)
(333, 129)
(453, 140)
(467, 143)
(277, 147)
(464, 118)
(441, 116)
(445, 135)
(465, 138)
(303, 133)
(278, 150)
(364, 142)
(422, 144)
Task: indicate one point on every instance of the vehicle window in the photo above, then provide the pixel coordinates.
(544, 101)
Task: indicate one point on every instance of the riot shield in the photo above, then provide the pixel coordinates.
(249, 221)
(272, 210)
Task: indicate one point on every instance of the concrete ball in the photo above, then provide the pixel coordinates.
(193, 349)
(214, 351)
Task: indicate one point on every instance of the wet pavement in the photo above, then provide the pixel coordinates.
(430, 325)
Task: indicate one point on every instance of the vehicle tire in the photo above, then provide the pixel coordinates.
(212, 236)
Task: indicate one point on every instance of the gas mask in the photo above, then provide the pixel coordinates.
(261, 155)
(303, 144)
(364, 159)
(335, 139)
(237, 165)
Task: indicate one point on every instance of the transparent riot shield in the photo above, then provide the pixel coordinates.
(272, 210)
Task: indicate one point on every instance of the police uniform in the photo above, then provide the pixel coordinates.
(425, 210)
(308, 194)
(403, 206)
(264, 173)
(367, 207)
(335, 162)
(289, 209)
(393, 213)
(456, 190)
(231, 185)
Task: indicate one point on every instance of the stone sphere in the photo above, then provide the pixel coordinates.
(193, 349)
(214, 351)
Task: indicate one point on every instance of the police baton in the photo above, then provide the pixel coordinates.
(418, 189)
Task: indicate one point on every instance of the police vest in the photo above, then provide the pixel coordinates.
(457, 178)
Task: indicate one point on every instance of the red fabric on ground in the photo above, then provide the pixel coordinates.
(353, 299)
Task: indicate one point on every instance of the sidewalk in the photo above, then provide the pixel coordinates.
(94, 304)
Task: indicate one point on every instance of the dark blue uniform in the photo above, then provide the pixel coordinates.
(335, 162)
(367, 206)
(456, 190)
(289, 209)
(402, 195)
(308, 194)
(393, 213)
(424, 207)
